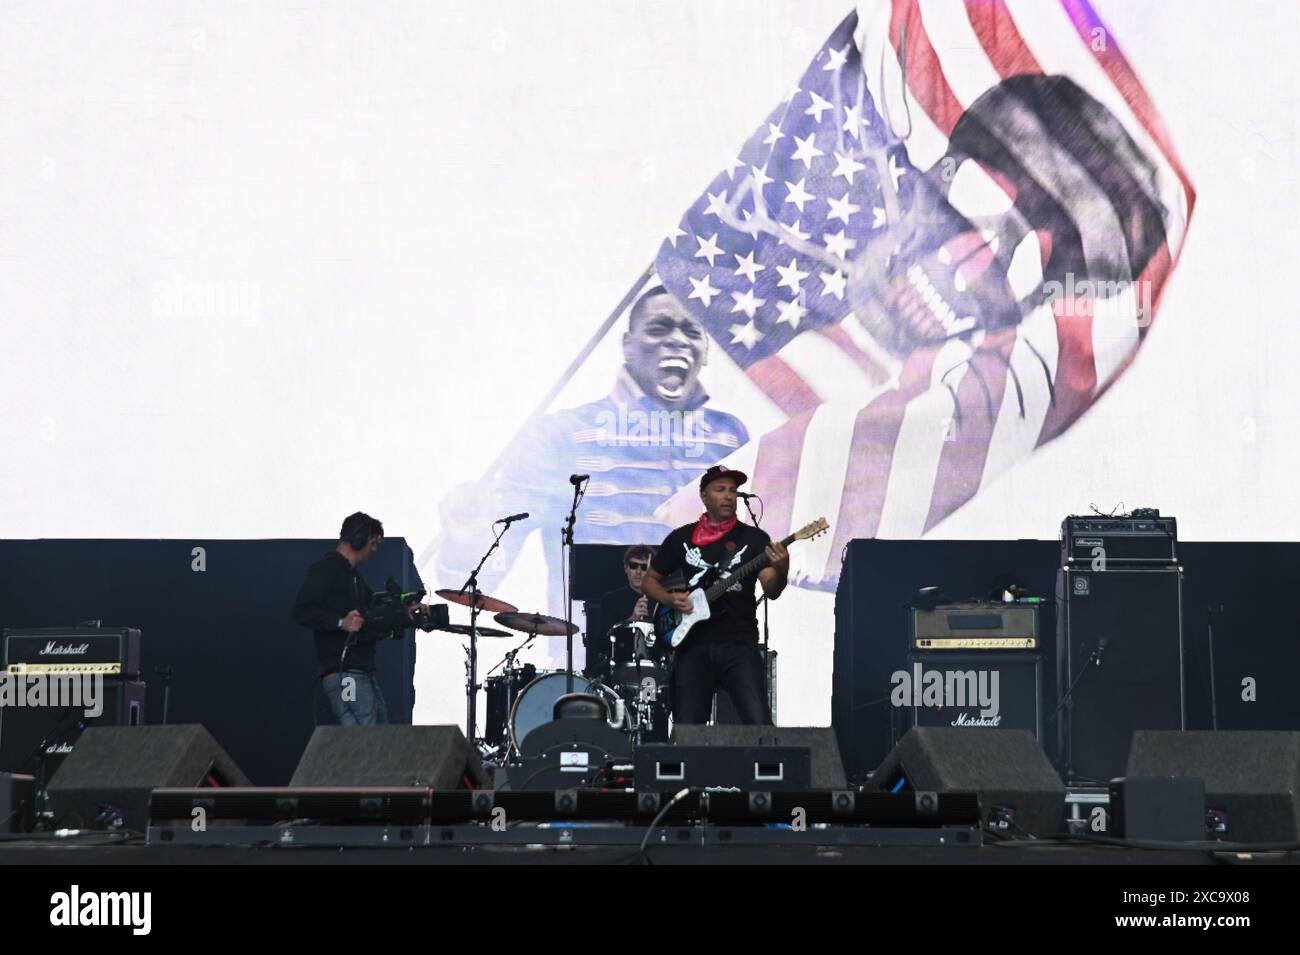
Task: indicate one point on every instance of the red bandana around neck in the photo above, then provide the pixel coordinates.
(707, 531)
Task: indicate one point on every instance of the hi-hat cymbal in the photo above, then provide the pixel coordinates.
(490, 604)
(536, 623)
(463, 629)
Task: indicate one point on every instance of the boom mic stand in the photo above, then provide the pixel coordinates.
(566, 563)
(471, 705)
(1067, 702)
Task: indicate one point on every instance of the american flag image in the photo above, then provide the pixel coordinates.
(933, 257)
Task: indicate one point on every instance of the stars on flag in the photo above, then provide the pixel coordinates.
(709, 248)
(791, 313)
(748, 267)
(797, 195)
(747, 334)
(760, 282)
(703, 290)
(807, 152)
(791, 276)
(818, 106)
(841, 209)
(847, 166)
(834, 283)
(747, 303)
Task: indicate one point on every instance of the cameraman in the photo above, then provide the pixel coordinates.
(330, 603)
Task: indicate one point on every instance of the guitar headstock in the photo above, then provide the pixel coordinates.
(812, 530)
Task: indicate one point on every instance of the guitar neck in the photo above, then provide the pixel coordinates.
(742, 573)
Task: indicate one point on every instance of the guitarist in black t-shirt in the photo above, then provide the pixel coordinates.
(723, 650)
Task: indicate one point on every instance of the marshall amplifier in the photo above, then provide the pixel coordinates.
(113, 651)
(975, 625)
(975, 690)
(1098, 542)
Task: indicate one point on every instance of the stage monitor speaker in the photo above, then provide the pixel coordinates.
(827, 769)
(1019, 791)
(1252, 778)
(107, 778)
(1120, 635)
(435, 756)
(37, 739)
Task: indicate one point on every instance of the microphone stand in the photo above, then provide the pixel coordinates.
(471, 706)
(1214, 695)
(767, 663)
(566, 564)
(1067, 701)
(166, 674)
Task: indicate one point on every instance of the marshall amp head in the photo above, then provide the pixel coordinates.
(113, 651)
(979, 625)
(1097, 542)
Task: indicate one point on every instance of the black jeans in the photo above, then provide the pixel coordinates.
(699, 668)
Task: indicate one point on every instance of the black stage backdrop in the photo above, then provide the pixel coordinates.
(240, 666)
(1257, 635)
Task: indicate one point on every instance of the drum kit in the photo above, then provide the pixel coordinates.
(634, 685)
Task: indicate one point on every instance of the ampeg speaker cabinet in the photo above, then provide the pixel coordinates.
(975, 690)
(438, 757)
(37, 739)
(1252, 778)
(1019, 791)
(107, 779)
(1120, 646)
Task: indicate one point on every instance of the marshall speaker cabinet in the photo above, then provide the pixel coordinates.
(975, 690)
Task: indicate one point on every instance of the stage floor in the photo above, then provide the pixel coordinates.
(28, 853)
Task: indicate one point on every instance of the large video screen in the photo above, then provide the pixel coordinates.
(925, 268)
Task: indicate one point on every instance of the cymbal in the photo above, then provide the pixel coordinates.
(490, 604)
(463, 629)
(536, 623)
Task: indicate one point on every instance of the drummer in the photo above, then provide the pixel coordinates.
(628, 603)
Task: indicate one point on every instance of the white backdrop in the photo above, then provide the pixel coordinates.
(263, 265)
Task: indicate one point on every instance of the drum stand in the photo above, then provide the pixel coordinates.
(508, 661)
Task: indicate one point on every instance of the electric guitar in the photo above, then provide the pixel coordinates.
(702, 598)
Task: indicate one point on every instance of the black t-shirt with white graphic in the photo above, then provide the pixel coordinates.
(734, 615)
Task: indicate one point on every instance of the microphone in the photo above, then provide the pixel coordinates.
(1101, 648)
(745, 495)
(576, 479)
(513, 517)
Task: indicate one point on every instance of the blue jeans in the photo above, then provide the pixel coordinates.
(357, 702)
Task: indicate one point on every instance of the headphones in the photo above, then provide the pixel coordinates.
(361, 536)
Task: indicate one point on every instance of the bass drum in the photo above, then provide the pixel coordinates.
(535, 705)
